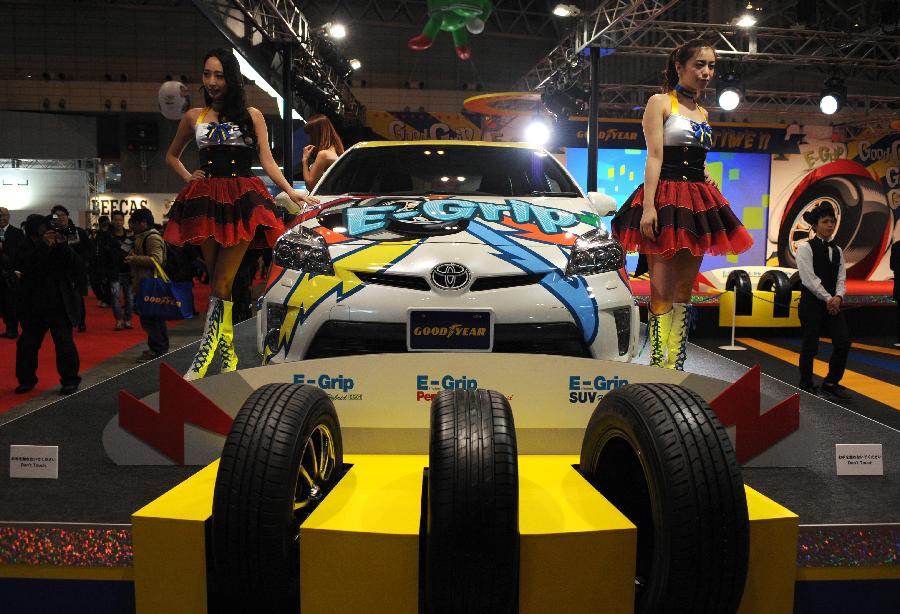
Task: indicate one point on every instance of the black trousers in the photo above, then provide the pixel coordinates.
(9, 302)
(815, 322)
(34, 328)
(157, 334)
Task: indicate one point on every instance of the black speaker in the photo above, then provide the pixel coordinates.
(108, 136)
(142, 136)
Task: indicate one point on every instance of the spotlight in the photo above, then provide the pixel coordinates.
(46, 103)
(729, 91)
(563, 103)
(123, 104)
(61, 76)
(123, 77)
(46, 76)
(537, 133)
(834, 96)
(61, 103)
(746, 21)
(355, 64)
(167, 78)
(183, 78)
(108, 77)
(566, 10)
(749, 16)
(107, 104)
(335, 30)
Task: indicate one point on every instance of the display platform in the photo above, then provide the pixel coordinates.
(67, 543)
(360, 547)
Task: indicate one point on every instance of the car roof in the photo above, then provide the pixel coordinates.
(445, 143)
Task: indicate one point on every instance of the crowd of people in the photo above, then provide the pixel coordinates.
(48, 264)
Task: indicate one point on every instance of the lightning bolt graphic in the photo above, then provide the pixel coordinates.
(311, 290)
(572, 292)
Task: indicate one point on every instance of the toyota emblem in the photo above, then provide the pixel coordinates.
(450, 276)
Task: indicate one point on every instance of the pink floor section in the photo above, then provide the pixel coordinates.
(100, 342)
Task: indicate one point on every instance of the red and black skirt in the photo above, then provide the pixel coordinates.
(231, 205)
(691, 214)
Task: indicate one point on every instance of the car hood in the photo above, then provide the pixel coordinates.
(544, 223)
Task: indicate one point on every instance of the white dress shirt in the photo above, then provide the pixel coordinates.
(808, 277)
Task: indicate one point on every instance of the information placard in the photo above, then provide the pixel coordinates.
(34, 462)
(859, 459)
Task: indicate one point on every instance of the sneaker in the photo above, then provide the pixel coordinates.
(120, 325)
(148, 355)
(128, 325)
(23, 388)
(10, 334)
(836, 390)
(810, 389)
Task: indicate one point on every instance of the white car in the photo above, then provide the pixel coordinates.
(448, 246)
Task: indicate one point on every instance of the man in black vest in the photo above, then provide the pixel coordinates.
(822, 274)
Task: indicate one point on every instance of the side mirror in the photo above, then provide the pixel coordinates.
(601, 203)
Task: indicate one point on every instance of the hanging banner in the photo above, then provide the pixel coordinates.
(413, 126)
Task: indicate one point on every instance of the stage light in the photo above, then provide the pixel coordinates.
(746, 21)
(834, 96)
(537, 133)
(355, 64)
(566, 10)
(729, 91)
(336, 30)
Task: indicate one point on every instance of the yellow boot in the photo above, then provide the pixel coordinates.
(658, 327)
(212, 332)
(226, 341)
(677, 343)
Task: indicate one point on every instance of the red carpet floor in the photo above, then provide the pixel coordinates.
(97, 344)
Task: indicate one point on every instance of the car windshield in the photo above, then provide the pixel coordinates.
(452, 169)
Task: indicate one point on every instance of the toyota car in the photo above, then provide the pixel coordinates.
(448, 246)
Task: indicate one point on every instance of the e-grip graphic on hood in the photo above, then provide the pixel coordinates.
(393, 218)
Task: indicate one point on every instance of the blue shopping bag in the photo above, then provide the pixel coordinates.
(161, 298)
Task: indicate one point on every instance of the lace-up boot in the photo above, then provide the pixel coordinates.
(226, 340)
(212, 332)
(658, 329)
(677, 342)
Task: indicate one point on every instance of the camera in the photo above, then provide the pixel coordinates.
(53, 223)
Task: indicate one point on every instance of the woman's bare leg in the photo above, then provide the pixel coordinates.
(685, 266)
(662, 283)
(227, 262)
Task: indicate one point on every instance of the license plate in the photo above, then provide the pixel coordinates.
(432, 330)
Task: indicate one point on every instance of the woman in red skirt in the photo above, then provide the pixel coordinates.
(224, 208)
(678, 214)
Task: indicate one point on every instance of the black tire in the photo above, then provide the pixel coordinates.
(660, 455)
(255, 525)
(739, 282)
(778, 282)
(472, 545)
(863, 215)
(795, 281)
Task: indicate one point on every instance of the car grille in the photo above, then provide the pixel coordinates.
(411, 282)
(506, 281)
(352, 338)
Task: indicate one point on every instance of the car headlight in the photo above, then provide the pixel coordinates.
(303, 250)
(595, 252)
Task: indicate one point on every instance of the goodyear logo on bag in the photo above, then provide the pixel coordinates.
(162, 300)
(592, 389)
(337, 387)
(453, 330)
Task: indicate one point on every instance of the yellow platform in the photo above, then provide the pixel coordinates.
(362, 543)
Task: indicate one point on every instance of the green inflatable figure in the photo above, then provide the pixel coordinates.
(457, 17)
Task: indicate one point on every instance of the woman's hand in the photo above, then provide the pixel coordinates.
(649, 223)
(300, 199)
(197, 175)
(307, 152)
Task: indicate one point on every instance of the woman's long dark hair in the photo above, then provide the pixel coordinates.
(234, 104)
(682, 55)
(322, 134)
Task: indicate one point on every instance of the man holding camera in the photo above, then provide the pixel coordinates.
(11, 240)
(47, 268)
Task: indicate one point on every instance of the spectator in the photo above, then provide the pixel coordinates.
(323, 151)
(11, 242)
(47, 267)
(895, 267)
(822, 275)
(114, 246)
(79, 242)
(98, 275)
(148, 246)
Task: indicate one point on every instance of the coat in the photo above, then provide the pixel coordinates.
(48, 281)
(148, 246)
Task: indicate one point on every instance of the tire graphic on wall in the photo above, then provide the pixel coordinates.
(658, 453)
(282, 456)
(862, 211)
(472, 542)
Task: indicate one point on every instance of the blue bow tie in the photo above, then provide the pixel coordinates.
(703, 133)
(217, 133)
